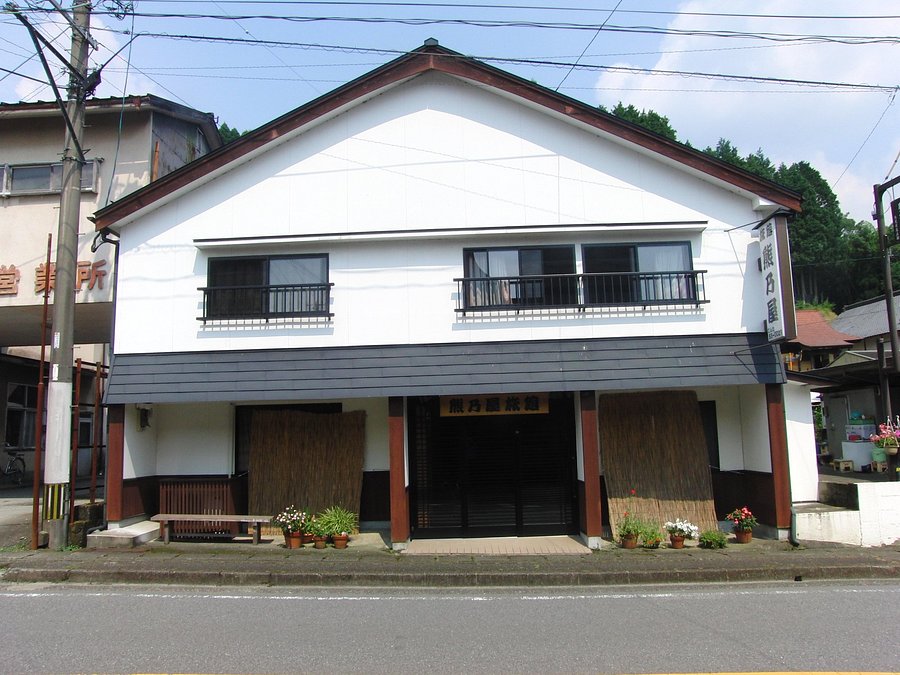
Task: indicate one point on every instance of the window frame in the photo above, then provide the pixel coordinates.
(260, 297)
(516, 291)
(640, 286)
(54, 186)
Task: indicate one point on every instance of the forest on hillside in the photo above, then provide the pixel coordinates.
(835, 260)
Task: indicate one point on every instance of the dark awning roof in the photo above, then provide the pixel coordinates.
(424, 370)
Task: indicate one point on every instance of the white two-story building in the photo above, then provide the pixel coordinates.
(460, 302)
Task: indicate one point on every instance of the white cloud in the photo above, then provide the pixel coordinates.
(822, 126)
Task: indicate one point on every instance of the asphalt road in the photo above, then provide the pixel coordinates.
(709, 628)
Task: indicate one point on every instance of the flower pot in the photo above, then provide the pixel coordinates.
(292, 540)
(306, 538)
(319, 542)
(676, 541)
(340, 540)
(743, 536)
(629, 541)
(890, 449)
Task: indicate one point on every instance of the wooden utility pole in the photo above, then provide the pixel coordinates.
(59, 395)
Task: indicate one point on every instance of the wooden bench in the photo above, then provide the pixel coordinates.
(165, 520)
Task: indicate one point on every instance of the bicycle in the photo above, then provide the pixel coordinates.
(15, 466)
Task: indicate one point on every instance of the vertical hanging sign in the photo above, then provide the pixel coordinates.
(775, 266)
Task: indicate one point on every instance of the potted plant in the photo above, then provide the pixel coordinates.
(650, 536)
(339, 523)
(679, 530)
(630, 527)
(887, 438)
(742, 522)
(306, 535)
(291, 521)
(712, 539)
(629, 530)
(318, 532)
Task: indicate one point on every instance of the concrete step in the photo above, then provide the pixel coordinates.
(817, 507)
(124, 537)
(840, 494)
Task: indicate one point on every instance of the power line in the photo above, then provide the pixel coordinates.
(584, 51)
(486, 23)
(866, 139)
(552, 8)
(531, 62)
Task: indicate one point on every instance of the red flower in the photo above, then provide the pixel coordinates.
(632, 492)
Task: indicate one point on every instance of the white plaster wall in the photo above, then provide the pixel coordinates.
(433, 153)
(879, 513)
(195, 439)
(801, 442)
(377, 457)
(876, 523)
(579, 442)
(755, 429)
(140, 447)
(728, 424)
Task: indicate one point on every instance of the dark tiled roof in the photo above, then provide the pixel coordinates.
(865, 319)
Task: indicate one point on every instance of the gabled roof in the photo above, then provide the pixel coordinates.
(433, 57)
(132, 103)
(814, 330)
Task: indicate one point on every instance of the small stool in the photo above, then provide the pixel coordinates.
(879, 467)
(843, 465)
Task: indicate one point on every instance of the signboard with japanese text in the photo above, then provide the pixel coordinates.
(90, 274)
(495, 404)
(775, 267)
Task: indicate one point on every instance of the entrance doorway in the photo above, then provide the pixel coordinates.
(497, 475)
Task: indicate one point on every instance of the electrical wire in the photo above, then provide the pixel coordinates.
(866, 139)
(584, 51)
(485, 23)
(553, 8)
(120, 128)
(532, 62)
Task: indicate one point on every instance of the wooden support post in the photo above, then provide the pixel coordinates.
(396, 450)
(778, 449)
(115, 463)
(591, 458)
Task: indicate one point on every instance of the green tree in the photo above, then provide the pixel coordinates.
(228, 134)
(646, 118)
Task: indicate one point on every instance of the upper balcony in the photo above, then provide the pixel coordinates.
(266, 302)
(581, 291)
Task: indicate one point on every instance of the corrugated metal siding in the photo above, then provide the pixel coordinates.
(421, 370)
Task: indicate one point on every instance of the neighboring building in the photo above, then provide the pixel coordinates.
(817, 343)
(127, 143)
(859, 390)
(460, 302)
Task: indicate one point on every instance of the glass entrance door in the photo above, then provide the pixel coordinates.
(492, 475)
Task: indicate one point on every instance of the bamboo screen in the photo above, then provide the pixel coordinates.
(654, 443)
(309, 460)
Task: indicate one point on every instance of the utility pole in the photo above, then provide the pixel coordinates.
(59, 395)
(886, 242)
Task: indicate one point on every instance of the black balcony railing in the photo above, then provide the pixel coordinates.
(615, 289)
(266, 302)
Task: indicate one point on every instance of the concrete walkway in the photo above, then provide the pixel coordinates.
(561, 545)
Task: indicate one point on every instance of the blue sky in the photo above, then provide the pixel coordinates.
(852, 135)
